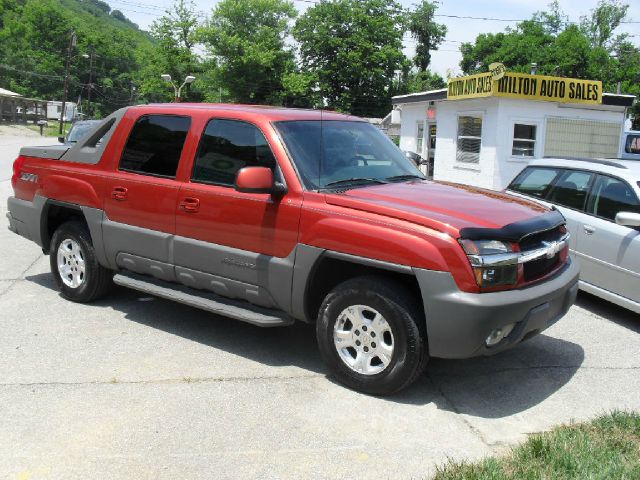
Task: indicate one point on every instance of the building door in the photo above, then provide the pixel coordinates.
(431, 148)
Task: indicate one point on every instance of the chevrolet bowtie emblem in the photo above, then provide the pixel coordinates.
(552, 248)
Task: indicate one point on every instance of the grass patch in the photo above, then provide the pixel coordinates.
(51, 130)
(605, 448)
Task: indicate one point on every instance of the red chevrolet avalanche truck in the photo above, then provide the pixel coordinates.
(271, 215)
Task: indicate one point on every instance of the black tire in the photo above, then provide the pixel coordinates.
(403, 314)
(96, 279)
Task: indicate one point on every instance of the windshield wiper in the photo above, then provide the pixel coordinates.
(405, 177)
(355, 180)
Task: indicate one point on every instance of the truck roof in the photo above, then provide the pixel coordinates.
(264, 111)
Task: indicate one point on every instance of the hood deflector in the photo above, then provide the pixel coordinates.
(515, 232)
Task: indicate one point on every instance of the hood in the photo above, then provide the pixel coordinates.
(442, 206)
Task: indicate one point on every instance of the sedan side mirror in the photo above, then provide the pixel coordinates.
(258, 180)
(61, 139)
(628, 219)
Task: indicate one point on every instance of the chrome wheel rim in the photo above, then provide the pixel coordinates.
(363, 339)
(71, 266)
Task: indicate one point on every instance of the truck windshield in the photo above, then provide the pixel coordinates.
(344, 154)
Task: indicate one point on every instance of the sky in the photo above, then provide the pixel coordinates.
(447, 57)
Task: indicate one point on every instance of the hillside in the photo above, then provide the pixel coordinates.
(34, 39)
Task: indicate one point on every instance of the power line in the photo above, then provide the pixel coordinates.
(35, 74)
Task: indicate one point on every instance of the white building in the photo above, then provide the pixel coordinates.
(485, 136)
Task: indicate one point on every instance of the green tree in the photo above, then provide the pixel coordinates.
(604, 19)
(427, 33)
(173, 53)
(413, 82)
(353, 48)
(247, 40)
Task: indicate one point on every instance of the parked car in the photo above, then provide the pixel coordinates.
(599, 199)
(78, 130)
(630, 145)
(271, 215)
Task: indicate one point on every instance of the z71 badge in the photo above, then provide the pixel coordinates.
(29, 177)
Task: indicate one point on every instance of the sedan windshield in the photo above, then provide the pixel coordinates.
(344, 154)
(79, 130)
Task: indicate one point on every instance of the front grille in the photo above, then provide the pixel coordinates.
(539, 268)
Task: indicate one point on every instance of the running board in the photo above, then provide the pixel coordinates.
(236, 309)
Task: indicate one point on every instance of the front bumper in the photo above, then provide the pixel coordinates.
(459, 322)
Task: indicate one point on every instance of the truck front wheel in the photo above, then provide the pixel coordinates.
(74, 265)
(370, 337)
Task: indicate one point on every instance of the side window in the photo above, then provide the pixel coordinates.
(524, 140)
(469, 139)
(226, 147)
(155, 145)
(633, 144)
(571, 189)
(535, 181)
(611, 196)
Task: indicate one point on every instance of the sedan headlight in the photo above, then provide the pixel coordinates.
(493, 262)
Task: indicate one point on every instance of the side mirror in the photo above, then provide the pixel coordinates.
(628, 219)
(61, 139)
(257, 180)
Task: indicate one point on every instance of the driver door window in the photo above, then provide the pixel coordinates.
(226, 147)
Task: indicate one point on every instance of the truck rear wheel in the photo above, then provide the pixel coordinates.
(369, 335)
(74, 264)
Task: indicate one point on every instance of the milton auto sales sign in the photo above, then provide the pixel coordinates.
(499, 83)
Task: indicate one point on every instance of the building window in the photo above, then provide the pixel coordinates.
(581, 138)
(524, 140)
(469, 139)
(420, 138)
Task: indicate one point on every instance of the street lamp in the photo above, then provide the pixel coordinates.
(167, 78)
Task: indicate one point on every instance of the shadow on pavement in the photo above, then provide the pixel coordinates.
(609, 311)
(490, 387)
(284, 346)
(508, 383)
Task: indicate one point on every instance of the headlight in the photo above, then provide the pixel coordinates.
(492, 261)
(485, 247)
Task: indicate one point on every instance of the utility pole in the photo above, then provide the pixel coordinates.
(90, 86)
(133, 94)
(72, 43)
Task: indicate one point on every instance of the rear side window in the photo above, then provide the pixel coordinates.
(611, 196)
(226, 147)
(535, 181)
(633, 144)
(155, 145)
(571, 189)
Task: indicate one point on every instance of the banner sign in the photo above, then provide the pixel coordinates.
(525, 87)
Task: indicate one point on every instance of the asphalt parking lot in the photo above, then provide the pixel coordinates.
(138, 387)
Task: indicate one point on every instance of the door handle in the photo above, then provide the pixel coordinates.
(119, 193)
(190, 205)
(589, 230)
